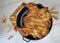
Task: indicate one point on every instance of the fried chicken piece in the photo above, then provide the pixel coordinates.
(44, 14)
(39, 31)
(13, 17)
(43, 30)
(29, 23)
(25, 31)
(30, 5)
(36, 33)
(32, 12)
(48, 23)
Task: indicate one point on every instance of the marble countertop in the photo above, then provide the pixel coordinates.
(7, 7)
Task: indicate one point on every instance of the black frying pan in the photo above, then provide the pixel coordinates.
(20, 22)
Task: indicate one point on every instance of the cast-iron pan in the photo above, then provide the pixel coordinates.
(20, 22)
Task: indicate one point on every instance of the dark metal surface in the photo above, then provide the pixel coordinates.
(20, 16)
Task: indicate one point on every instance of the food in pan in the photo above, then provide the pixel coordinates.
(36, 22)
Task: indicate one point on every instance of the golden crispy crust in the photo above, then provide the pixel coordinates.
(13, 17)
(37, 21)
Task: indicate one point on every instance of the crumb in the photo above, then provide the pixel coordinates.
(10, 28)
(55, 17)
(10, 37)
(52, 8)
(3, 19)
(15, 28)
(54, 12)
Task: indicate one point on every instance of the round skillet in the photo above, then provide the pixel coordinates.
(20, 22)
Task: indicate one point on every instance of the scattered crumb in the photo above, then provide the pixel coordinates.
(10, 37)
(15, 28)
(55, 17)
(3, 19)
(9, 29)
(54, 12)
(52, 8)
(13, 17)
(11, 26)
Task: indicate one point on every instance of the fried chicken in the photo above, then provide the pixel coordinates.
(36, 22)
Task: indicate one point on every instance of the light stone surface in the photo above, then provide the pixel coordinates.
(7, 7)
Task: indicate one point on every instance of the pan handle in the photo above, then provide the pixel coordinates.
(25, 39)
